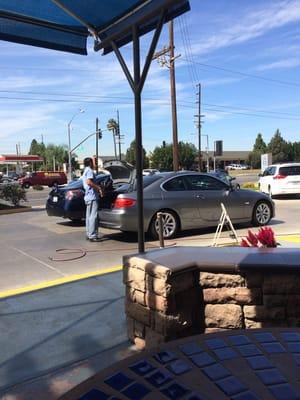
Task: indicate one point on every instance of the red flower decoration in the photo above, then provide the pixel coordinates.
(264, 238)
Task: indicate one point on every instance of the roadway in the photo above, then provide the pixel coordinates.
(30, 242)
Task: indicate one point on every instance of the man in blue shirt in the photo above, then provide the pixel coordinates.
(91, 198)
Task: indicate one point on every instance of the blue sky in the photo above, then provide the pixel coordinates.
(258, 38)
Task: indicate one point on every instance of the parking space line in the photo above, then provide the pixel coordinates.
(39, 261)
(60, 281)
(290, 238)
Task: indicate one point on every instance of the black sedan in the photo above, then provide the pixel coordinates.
(68, 201)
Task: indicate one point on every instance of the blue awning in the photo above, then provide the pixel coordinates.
(65, 24)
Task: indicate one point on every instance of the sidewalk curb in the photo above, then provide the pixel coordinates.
(16, 210)
(57, 282)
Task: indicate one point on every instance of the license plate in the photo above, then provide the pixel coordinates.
(55, 199)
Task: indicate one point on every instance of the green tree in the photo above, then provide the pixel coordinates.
(279, 148)
(37, 149)
(162, 156)
(259, 148)
(296, 151)
(130, 156)
(113, 126)
(187, 155)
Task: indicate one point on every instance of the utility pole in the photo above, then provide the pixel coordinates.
(161, 57)
(199, 128)
(97, 146)
(119, 134)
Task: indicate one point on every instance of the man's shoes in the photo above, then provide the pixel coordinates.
(97, 239)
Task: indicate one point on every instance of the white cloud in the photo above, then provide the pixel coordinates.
(281, 64)
(250, 25)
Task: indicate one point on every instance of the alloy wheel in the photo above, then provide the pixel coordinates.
(263, 213)
(169, 224)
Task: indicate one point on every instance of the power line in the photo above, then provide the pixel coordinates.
(287, 83)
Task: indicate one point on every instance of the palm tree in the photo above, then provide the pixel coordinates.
(112, 125)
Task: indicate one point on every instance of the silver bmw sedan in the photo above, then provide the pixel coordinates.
(188, 200)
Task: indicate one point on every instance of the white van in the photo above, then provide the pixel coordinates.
(280, 179)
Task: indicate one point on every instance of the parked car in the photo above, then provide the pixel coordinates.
(68, 201)
(237, 166)
(43, 178)
(226, 178)
(280, 179)
(150, 171)
(188, 200)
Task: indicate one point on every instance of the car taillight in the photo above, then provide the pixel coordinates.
(279, 176)
(71, 194)
(124, 203)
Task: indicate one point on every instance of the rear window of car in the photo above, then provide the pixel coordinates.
(147, 181)
(292, 170)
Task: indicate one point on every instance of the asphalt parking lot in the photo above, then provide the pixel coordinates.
(30, 242)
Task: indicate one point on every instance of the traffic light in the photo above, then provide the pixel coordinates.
(99, 134)
(219, 148)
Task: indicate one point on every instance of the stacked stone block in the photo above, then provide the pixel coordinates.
(164, 303)
(161, 304)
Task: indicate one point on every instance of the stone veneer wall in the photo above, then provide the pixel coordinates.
(163, 304)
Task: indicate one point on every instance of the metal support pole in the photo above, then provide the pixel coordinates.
(138, 138)
(97, 146)
(173, 98)
(119, 134)
(160, 230)
(69, 152)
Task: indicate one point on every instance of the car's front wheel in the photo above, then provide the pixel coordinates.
(170, 225)
(262, 213)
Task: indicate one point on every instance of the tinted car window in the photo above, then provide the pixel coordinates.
(175, 185)
(147, 181)
(292, 170)
(204, 182)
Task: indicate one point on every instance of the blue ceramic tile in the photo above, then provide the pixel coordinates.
(202, 359)
(226, 353)
(294, 347)
(245, 396)
(291, 336)
(196, 396)
(190, 348)
(259, 362)
(164, 357)
(231, 386)
(179, 367)
(215, 343)
(297, 359)
(284, 392)
(118, 381)
(94, 394)
(136, 391)
(239, 339)
(159, 378)
(249, 350)
(264, 337)
(175, 391)
(142, 368)
(275, 347)
(216, 372)
(270, 376)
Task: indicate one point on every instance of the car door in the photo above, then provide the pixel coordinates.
(207, 194)
(175, 196)
(267, 179)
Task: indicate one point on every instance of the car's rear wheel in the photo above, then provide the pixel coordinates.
(262, 213)
(170, 224)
